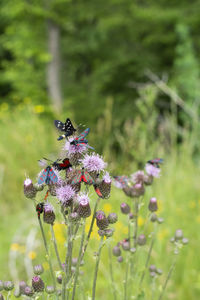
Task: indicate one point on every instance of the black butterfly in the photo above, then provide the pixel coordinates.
(67, 127)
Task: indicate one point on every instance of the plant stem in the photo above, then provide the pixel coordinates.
(147, 260)
(56, 247)
(167, 279)
(111, 273)
(79, 260)
(136, 221)
(97, 267)
(91, 228)
(126, 279)
(8, 295)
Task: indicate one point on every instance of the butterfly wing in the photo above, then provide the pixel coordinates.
(51, 176)
(43, 177)
(60, 125)
(87, 178)
(69, 128)
(77, 177)
(83, 134)
(123, 180)
(97, 190)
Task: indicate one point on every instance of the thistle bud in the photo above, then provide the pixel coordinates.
(39, 187)
(185, 241)
(133, 250)
(152, 268)
(59, 279)
(116, 251)
(131, 216)
(141, 240)
(120, 259)
(138, 190)
(38, 269)
(159, 272)
(154, 218)
(160, 220)
(109, 232)
(48, 215)
(29, 189)
(37, 284)
(22, 286)
(112, 218)
(125, 208)
(152, 274)
(153, 205)
(50, 289)
(101, 220)
(178, 234)
(84, 209)
(74, 217)
(105, 186)
(8, 285)
(28, 291)
(101, 232)
(148, 179)
(126, 245)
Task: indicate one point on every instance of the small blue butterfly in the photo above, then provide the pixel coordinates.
(48, 176)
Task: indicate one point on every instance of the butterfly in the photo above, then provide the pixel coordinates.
(48, 176)
(155, 162)
(67, 127)
(81, 140)
(122, 181)
(65, 164)
(82, 176)
(39, 209)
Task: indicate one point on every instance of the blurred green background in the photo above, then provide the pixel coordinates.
(129, 70)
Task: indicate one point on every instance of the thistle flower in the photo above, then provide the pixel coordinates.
(138, 177)
(116, 251)
(112, 218)
(65, 195)
(126, 245)
(8, 285)
(28, 291)
(73, 149)
(138, 190)
(37, 284)
(153, 205)
(152, 170)
(29, 189)
(141, 240)
(101, 220)
(48, 215)
(125, 208)
(93, 163)
(38, 269)
(83, 209)
(74, 217)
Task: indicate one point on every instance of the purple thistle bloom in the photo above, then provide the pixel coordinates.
(107, 178)
(93, 163)
(72, 149)
(83, 199)
(49, 215)
(138, 177)
(27, 182)
(65, 194)
(152, 171)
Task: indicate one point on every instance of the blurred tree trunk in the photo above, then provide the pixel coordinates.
(53, 69)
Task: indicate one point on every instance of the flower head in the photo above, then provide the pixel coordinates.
(93, 163)
(49, 215)
(138, 177)
(152, 170)
(72, 149)
(84, 209)
(37, 284)
(65, 194)
(107, 178)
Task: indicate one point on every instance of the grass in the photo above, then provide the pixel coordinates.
(26, 137)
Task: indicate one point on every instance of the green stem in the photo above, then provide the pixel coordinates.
(8, 295)
(126, 279)
(91, 228)
(111, 273)
(147, 260)
(136, 221)
(97, 267)
(167, 279)
(79, 261)
(56, 247)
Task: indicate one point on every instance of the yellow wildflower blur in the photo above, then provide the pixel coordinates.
(107, 208)
(15, 247)
(59, 230)
(45, 266)
(141, 221)
(163, 234)
(32, 255)
(38, 109)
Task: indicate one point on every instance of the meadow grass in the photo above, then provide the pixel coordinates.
(27, 136)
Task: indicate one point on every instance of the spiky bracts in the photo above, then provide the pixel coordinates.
(37, 284)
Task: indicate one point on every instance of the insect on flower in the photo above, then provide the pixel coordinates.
(48, 176)
(67, 127)
(121, 181)
(65, 164)
(81, 140)
(39, 209)
(155, 162)
(82, 176)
